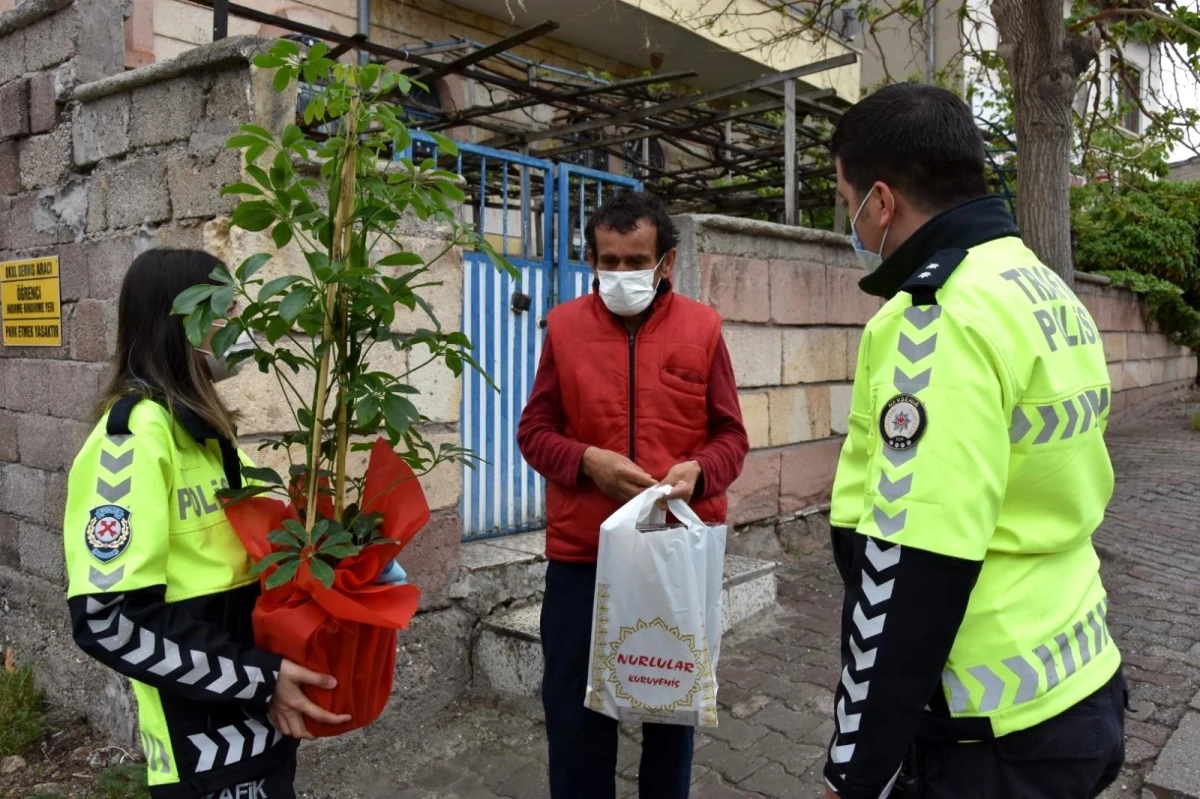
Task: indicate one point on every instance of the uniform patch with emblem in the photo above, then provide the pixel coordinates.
(902, 422)
(108, 532)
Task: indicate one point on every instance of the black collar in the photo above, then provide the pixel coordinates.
(200, 430)
(962, 227)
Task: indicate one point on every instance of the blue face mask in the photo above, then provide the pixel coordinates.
(870, 260)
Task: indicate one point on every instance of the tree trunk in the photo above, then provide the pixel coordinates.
(1044, 62)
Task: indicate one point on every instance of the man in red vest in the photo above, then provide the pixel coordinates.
(635, 389)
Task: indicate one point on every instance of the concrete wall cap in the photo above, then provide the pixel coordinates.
(204, 58)
(756, 227)
(1087, 277)
(28, 13)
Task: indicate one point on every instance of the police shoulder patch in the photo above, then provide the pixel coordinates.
(108, 532)
(903, 421)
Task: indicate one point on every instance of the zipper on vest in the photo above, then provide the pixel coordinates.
(632, 396)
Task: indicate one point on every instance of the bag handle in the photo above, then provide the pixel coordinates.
(644, 507)
(684, 513)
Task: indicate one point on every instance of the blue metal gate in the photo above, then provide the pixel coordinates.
(580, 193)
(533, 212)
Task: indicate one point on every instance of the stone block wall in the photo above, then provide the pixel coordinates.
(793, 321)
(1143, 364)
(96, 165)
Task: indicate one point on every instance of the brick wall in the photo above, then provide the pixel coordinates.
(793, 320)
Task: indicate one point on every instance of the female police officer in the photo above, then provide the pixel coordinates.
(160, 588)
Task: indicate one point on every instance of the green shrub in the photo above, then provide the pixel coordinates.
(1153, 229)
(22, 709)
(1145, 235)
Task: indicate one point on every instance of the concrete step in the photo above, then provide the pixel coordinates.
(507, 654)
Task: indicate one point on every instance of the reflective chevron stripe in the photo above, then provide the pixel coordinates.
(877, 592)
(882, 559)
(163, 657)
(157, 758)
(868, 628)
(234, 743)
(922, 317)
(862, 660)
(1056, 659)
(1081, 414)
(892, 491)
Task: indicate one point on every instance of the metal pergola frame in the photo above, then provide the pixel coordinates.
(734, 143)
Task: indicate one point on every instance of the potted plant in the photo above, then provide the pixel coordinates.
(337, 193)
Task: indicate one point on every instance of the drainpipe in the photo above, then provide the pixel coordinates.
(364, 27)
(930, 38)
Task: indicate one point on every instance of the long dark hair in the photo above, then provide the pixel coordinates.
(154, 357)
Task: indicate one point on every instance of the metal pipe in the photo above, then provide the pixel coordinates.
(931, 38)
(791, 217)
(364, 28)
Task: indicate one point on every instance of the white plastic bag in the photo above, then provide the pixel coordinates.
(656, 620)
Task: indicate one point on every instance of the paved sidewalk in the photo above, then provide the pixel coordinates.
(776, 678)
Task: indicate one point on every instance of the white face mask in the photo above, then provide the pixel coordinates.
(870, 260)
(220, 368)
(628, 293)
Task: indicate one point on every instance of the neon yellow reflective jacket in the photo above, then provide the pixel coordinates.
(160, 590)
(975, 444)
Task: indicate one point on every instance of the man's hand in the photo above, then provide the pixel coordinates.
(615, 475)
(682, 479)
(289, 705)
(829, 794)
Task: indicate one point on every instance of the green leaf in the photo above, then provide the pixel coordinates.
(251, 265)
(286, 47)
(188, 299)
(283, 76)
(223, 338)
(262, 474)
(295, 303)
(269, 561)
(259, 131)
(222, 300)
(259, 174)
(447, 146)
(253, 153)
(241, 188)
(281, 234)
(318, 262)
(322, 571)
(453, 192)
(241, 140)
(368, 411)
(288, 538)
(317, 51)
(254, 216)
(275, 286)
(284, 574)
(267, 61)
(198, 323)
(399, 412)
(291, 136)
(339, 551)
(401, 259)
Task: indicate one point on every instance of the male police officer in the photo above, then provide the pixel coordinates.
(971, 481)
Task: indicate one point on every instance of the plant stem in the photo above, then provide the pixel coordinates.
(342, 232)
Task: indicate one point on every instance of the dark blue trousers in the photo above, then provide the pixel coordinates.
(583, 743)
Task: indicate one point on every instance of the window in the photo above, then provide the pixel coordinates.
(1127, 92)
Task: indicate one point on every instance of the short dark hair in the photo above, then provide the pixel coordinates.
(919, 139)
(624, 210)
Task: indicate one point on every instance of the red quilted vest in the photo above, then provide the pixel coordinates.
(644, 396)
